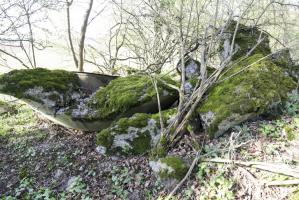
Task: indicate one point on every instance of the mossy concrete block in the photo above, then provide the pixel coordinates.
(125, 93)
(133, 135)
(47, 87)
(83, 100)
(61, 96)
(244, 94)
(247, 39)
(170, 167)
(16, 82)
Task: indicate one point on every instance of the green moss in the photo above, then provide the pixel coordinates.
(166, 115)
(161, 148)
(290, 132)
(245, 95)
(246, 38)
(158, 152)
(141, 144)
(2, 103)
(138, 120)
(178, 166)
(24, 173)
(295, 195)
(137, 144)
(138, 131)
(126, 92)
(17, 82)
(105, 138)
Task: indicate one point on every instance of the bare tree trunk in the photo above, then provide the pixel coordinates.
(82, 38)
(68, 4)
(31, 39)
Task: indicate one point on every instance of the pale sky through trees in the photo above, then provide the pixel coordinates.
(97, 30)
(58, 55)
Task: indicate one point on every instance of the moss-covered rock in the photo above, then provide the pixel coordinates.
(67, 98)
(242, 96)
(246, 39)
(124, 93)
(133, 135)
(48, 87)
(17, 82)
(170, 167)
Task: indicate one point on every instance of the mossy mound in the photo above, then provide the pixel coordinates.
(246, 39)
(124, 93)
(17, 82)
(257, 88)
(170, 167)
(133, 135)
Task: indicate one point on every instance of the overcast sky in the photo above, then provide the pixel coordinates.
(57, 56)
(97, 30)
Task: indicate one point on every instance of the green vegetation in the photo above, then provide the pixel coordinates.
(124, 93)
(27, 190)
(120, 179)
(214, 182)
(78, 189)
(292, 129)
(16, 82)
(176, 167)
(252, 92)
(270, 130)
(292, 105)
(135, 140)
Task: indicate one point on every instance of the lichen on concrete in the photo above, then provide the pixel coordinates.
(133, 135)
(49, 99)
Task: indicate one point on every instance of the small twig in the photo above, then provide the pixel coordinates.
(283, 183)
(271, 167)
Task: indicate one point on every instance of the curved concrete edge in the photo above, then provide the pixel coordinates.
(90, 125)
(63, 120)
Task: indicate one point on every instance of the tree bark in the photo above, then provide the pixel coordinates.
(68, 4)
(82, 38)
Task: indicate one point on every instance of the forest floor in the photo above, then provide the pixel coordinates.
(41, 160)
